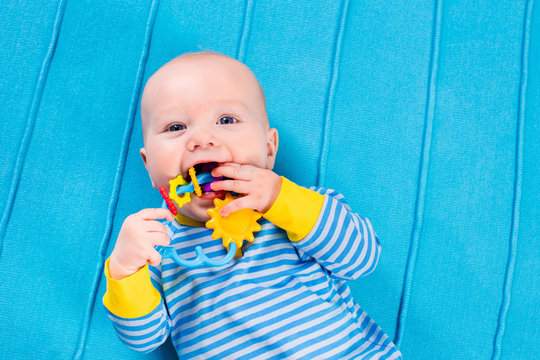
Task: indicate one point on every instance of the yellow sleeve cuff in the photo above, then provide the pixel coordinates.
(295, 210)
(133, 296)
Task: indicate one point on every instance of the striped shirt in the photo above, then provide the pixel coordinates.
(280, 300)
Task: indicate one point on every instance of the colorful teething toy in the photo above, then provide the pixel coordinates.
(232, 229)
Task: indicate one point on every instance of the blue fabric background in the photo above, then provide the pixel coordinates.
(424, 114)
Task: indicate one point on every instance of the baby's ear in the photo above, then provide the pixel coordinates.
(272, 142)
(143, 155)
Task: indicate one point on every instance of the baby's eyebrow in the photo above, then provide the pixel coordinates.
(233, 104)
(163, 118)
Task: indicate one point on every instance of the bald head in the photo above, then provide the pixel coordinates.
(206, 74)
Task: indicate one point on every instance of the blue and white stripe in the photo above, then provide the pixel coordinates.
(143, 334)
(281, 300)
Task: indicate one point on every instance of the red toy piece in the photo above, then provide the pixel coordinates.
(168, 200)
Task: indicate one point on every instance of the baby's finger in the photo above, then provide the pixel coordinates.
(234, 171)
(237, 204)
(155, 258)
(161, 239)
(155, 226)
(238, 186)
(156, 213)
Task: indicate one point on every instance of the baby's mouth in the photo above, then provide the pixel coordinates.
(199, 169)
(207, 192)
(205, 167)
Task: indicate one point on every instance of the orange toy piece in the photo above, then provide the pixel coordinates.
(194, 181)
(235, 227)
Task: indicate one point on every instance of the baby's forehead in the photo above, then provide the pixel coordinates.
(196, 70)
(201, 68)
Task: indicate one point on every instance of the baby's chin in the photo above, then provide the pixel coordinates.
(197, 208)
(195, 213)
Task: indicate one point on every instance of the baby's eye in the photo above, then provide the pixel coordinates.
(226, 120)
(177, 127)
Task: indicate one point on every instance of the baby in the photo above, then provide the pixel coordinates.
(286, 297)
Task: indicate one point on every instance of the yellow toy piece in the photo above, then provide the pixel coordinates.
(236, 227)
(176, 182)
(194, 181)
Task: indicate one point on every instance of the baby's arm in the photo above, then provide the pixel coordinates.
(320, 223)
(134, 305)
(323, 227)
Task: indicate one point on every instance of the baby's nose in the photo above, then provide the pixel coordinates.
(201, 140)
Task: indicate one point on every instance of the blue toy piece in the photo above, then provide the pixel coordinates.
(203, 178)
(201, 258)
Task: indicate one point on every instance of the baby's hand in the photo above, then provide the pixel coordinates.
(260, 187)
(134, 247)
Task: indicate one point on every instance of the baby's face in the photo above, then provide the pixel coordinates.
(199, 109)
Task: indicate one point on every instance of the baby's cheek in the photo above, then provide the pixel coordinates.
(254, 153)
